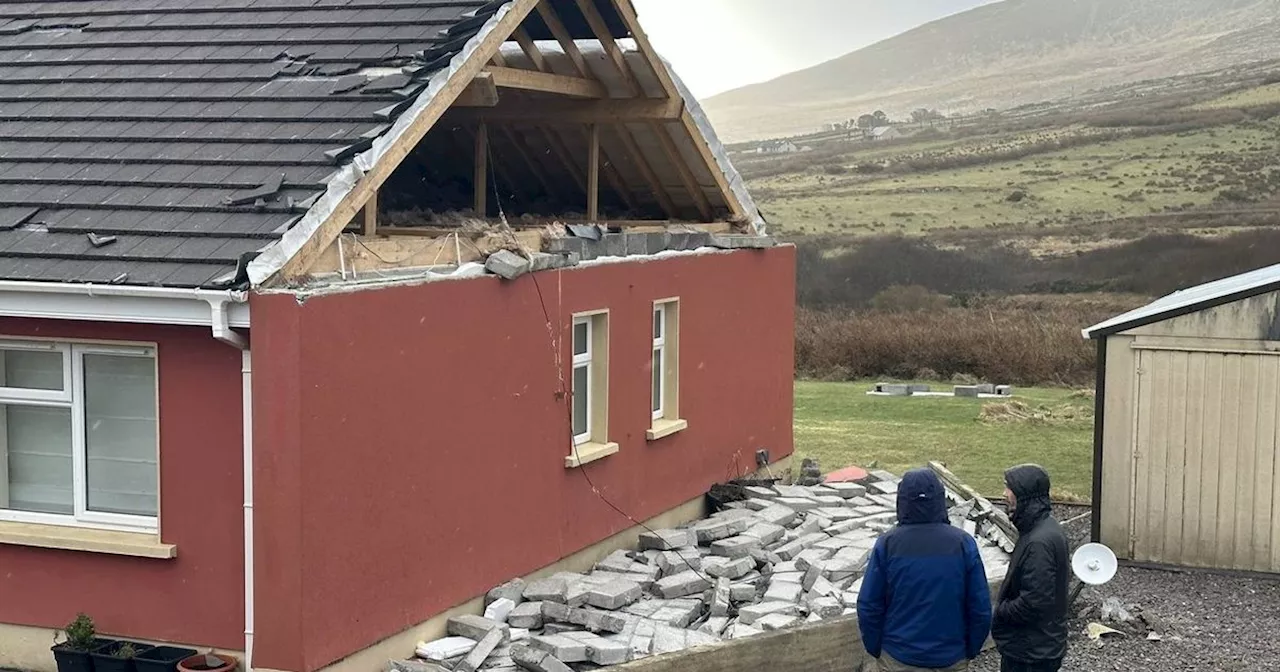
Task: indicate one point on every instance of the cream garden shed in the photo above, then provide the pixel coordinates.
(1185, 443)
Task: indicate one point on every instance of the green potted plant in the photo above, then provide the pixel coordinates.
(80, 640)
(118, 656)
(162, 659)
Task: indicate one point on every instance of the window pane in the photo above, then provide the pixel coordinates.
(657, 380)
(37, 440)
(32, 370)
(581, 399)
(120, 434)
(581, 336)
(657, 323)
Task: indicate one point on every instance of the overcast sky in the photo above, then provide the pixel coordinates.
(717, 45)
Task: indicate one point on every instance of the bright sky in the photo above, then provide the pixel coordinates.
(717, 45)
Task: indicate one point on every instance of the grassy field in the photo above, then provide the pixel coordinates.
(1109, 179)
(840, 425)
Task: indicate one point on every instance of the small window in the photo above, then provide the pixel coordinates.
(665, 370)
(78, 435)
(582, 370)
(590, 379)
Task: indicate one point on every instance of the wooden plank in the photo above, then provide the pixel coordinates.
(481, 178)
(1211, 459)
(686, 175)
(324, 235)
(1193, 458)
(370, 215)
(611, 48)
(1228, 474)
(1142, 455)
(499, 60)
(1264, 468)
(1176, 458)
(1118, 434)
(1151, 531)
(558, 31)
(573, 112)
(642, 164)
(1247, 446)
(997, 516)
(593, 173)
(545, 82)
(481, 92)
(414, 248)
(628, 14)
(530, 49)
(1275, 505)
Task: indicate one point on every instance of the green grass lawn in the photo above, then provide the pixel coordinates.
(840, 425)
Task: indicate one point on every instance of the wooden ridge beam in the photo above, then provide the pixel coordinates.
(545, 82)
(576, 112)
(310, 250)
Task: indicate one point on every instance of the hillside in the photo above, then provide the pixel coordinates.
(1008, 53)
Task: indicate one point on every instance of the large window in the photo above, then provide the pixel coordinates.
(590, 389)
(78, 435)
(583, 368)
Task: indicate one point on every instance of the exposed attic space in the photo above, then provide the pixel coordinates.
(565, 128)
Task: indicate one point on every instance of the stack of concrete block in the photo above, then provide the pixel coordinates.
(786, 555)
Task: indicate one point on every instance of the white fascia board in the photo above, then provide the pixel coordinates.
(141, 305)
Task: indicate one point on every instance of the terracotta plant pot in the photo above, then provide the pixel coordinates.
(208, 662)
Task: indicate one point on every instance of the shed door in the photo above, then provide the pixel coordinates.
(1205, 492)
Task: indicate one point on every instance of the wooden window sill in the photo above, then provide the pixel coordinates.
(137, 544)
(588, 453)
(664, 428)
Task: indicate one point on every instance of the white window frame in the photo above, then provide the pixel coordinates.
(584, 361)
(72, 397)
(660, 322)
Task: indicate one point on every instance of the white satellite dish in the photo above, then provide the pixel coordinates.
(1094, 564)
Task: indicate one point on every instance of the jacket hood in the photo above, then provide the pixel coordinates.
(1030, 484)
(921, 499)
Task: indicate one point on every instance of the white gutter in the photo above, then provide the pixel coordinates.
(220, 310)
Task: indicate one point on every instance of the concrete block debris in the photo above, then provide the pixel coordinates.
(781, 556)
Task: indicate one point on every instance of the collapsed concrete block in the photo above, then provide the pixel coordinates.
(475, 627)
(735, 547)
(414, 666)
(559, 628)
(547, 590)
(560, 647)
(480, 653)
(884, 488)
(766, 533)
(765, 558)
(679, 613)
(507, 264)
(794, 491)
(794, 548)
(526, 615)
(443, 649)
(720, 600)
(837, 515)
(811, 576)
(810, 525)
(783, 591)
(743, 592)
(512, 590)
(681, 585)
(715, 529)
(676, 561)
(741, 631)
(499, 610)
(623, 563)
(666, 540)
(848, 490)
(761, 492)
(752, 613)
(615, 594)
(728, 568)
(725, 241)
(777, 621)
(715, 625)
(812, 556)
(536, 660)
(778, 514)
(668, 639)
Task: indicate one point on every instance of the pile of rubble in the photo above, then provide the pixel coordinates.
(779, 556)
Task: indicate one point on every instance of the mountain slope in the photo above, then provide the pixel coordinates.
(1011, 52)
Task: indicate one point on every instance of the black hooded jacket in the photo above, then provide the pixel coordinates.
(1030, 622)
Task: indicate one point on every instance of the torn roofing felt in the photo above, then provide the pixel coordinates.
(196, 133)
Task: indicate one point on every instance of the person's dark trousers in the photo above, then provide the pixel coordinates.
(1008, 665)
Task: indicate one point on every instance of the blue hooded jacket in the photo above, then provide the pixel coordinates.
(924, 598)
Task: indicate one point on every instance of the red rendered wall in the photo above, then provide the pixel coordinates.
(196, 597)
(412, 457)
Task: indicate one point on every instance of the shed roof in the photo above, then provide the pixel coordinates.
(187, 135)
(1192, 300)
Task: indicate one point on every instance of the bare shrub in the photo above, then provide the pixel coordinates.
(908, 299)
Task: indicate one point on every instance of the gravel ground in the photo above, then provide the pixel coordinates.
(1206, 621)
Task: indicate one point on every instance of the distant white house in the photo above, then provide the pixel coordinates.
(883, 133)
(777, 147)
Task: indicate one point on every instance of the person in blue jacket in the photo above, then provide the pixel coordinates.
(924, 603)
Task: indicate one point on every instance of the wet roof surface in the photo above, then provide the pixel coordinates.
(186, 134)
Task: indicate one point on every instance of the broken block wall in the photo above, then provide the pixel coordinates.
(410, 440)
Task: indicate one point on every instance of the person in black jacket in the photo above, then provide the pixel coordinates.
(1030, 621)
